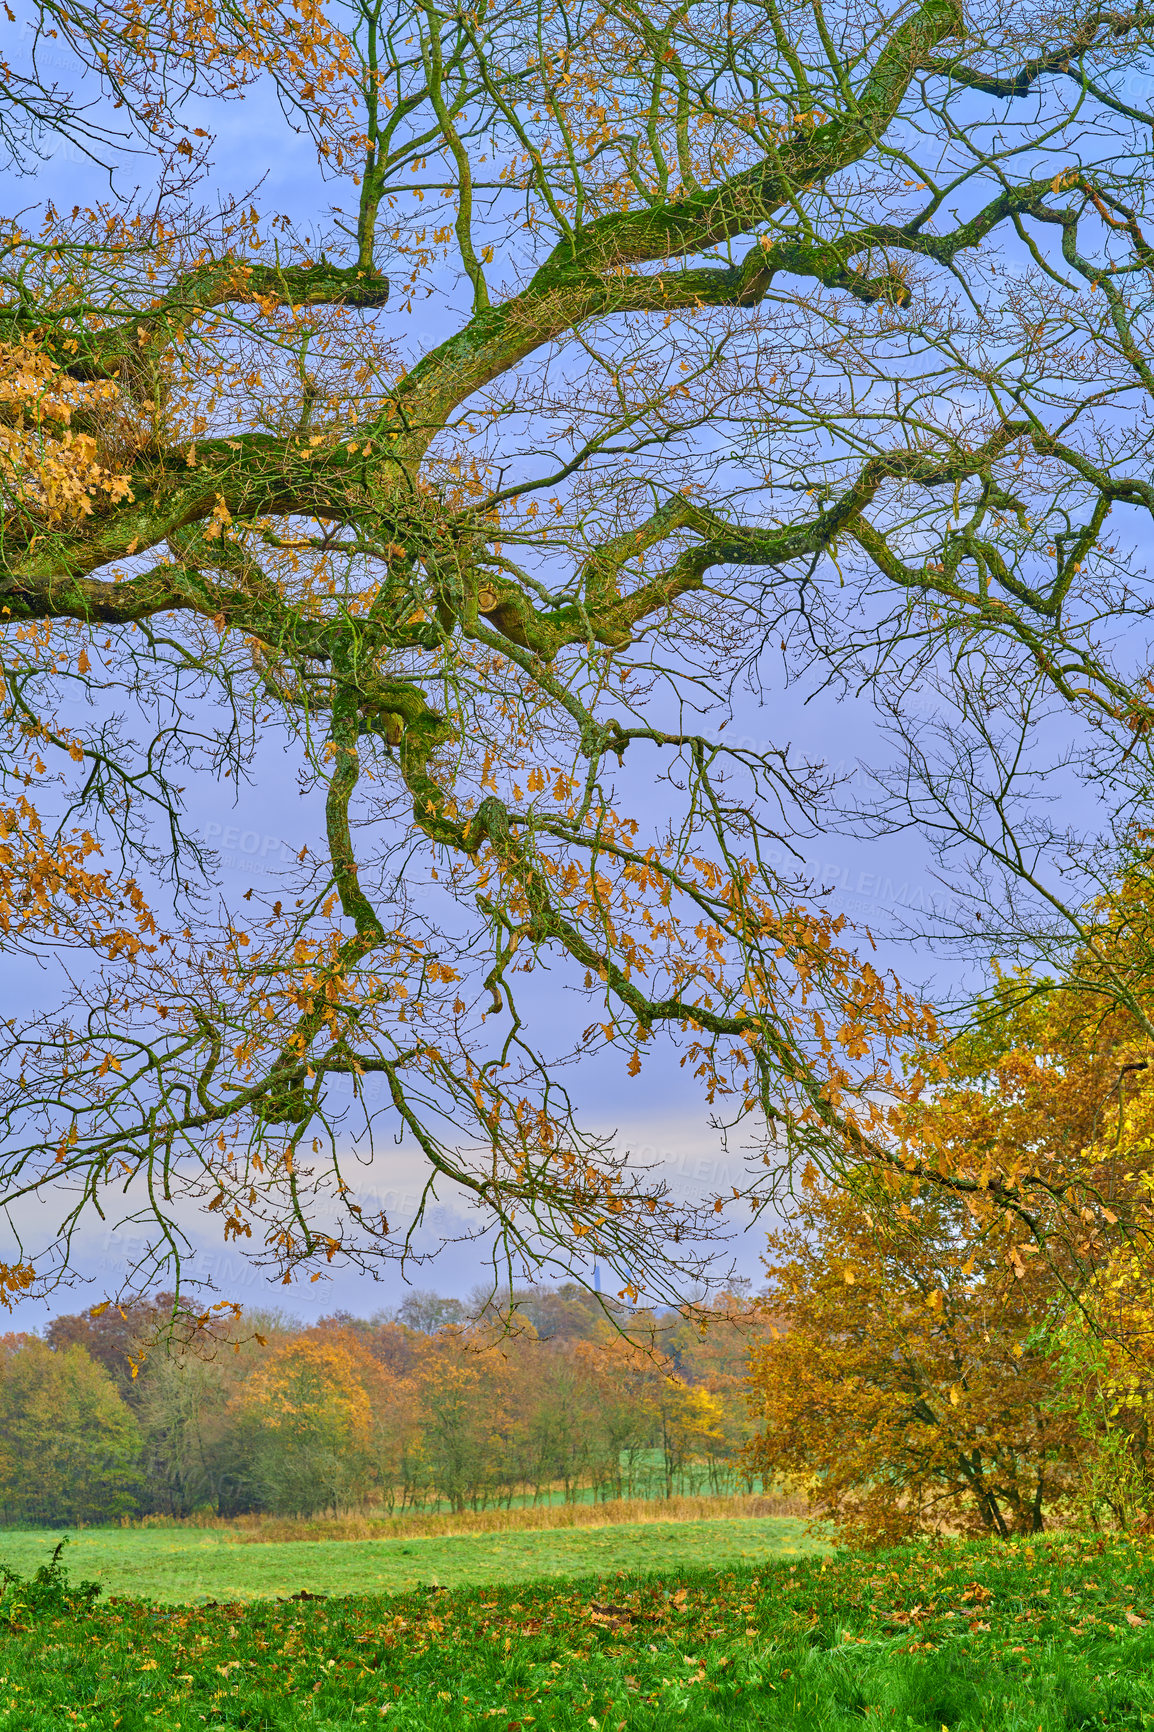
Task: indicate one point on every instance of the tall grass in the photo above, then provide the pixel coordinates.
(265, 1529)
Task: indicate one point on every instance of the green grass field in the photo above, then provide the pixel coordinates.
(1051, 1637)
(189, 1564)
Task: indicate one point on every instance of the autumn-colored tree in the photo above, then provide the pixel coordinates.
(910, 1376)
(311, 1425)
(402, 1469)
(690, 1430)
(493, 579)
(1041, 1101)
(467, 1416)
(119, 1337)
(1050, 1097)
(198, 1450)
(69, 1447)
(560, 1423)
(1047, 1100)
(980, 1350)
(650, 1430)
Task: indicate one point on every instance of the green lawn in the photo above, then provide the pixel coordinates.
(188, 1564)
(1051, 1637)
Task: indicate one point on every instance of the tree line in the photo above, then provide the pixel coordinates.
(420, 1410)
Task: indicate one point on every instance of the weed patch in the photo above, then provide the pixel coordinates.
(49, 1594)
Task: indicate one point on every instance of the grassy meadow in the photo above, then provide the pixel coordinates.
(172, 1565)
(1045, 1637)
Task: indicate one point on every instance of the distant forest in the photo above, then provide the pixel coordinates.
(426, 1408)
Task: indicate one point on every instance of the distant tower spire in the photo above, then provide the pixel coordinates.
(596, 1277)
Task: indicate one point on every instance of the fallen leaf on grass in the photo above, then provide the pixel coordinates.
(609, 1617)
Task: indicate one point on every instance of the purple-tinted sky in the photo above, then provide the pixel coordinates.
(659, 1115)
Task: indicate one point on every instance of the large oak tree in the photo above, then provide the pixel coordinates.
(654, 347)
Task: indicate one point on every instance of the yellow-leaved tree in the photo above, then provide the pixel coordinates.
(909, 1379)
(309, 1417)
(967, 1338)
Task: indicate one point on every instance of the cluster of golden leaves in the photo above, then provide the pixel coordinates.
(47, 467)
